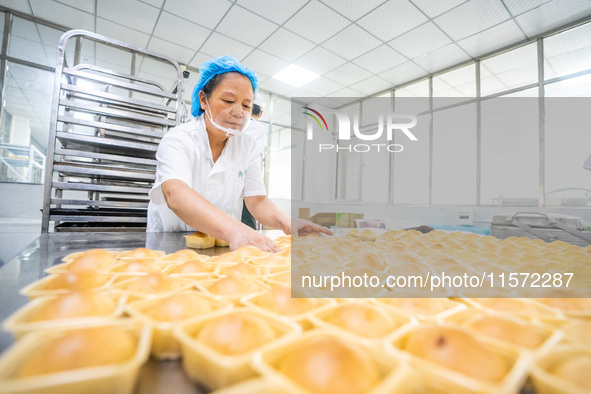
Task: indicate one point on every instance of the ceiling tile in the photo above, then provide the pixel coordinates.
(177, 52)
(262, 62)
(517, 7)
(316, 22)
(125, 34)
(435, 8)
(237, 20)
(180, 31)
(275, 86)
(515, 58)
(424, 39)
(348, 74)
(351, 42)
(459, 76)
(276, 44)
(353, 9)
(372, 85)
(492, 39)
(439, 59)
(199, 58)
(320, 61)
(347, 92)
(207, 13)
(392, 19)
(86, 6)
(155, 3)
(552, 15)
(380, 59)
(130, 13)
(68, 17)
(156, 67)
(302, 92)
(323, 87)
(220, 45)
(276, 11)
(471, 18)
(403, 73)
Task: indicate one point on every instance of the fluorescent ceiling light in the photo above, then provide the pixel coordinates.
(295, 75)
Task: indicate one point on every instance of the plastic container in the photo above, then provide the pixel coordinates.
(182, 256)
(141, 253)
(39, 288)
(279, 278)
(64, 267)
(254, 386)
(225, 269)
(170, 270)
(117, 378)
(424, 309)
(257, 288)
(319, 319)
(302, 319)
(510, 383)
(546, 382)
(519, 307)
(215, 370)
(19, 322)
(391, 370)
(179, 284)
(164, 345)
(72, 256)
(547, 336)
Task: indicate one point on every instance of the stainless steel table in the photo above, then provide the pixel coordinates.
(29, 265)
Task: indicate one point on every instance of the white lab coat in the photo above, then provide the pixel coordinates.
(184, 154)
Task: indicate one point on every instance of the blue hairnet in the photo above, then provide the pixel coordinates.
(213, 67)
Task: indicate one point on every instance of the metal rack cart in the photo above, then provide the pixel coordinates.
(104, 133)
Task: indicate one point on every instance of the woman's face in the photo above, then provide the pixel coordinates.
(230, 103)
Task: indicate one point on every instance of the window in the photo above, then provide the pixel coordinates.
(454, 155)
(510, 151)
(568, 145)
(24, 123)
(568, 52)
(410, 181)
(572, 87)
(459, 83)
(33, 42)
(508, 70)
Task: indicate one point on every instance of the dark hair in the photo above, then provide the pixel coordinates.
(213, 83)
(256, 110)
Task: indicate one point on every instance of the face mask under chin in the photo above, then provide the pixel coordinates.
(227, 130)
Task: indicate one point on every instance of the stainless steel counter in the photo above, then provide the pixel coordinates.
(29, 265)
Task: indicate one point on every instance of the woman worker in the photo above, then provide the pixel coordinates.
(206, 167)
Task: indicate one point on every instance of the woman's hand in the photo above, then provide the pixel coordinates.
(247, 236)
(302, 227)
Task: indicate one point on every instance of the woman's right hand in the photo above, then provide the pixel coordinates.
(247, 236)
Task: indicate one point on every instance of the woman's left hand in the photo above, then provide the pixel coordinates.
(302, 227)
